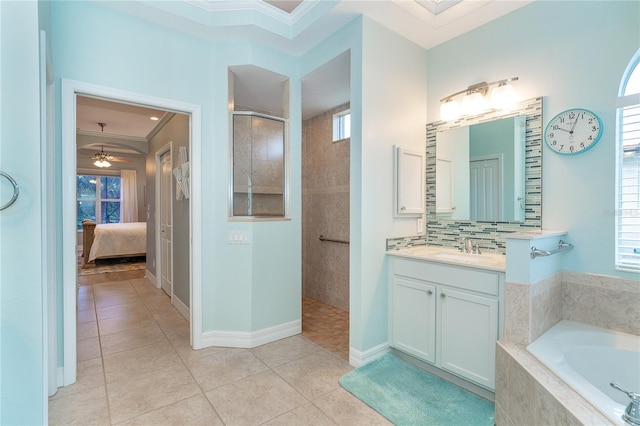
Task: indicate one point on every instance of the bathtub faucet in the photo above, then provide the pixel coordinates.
(632, 412)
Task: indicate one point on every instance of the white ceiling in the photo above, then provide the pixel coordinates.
(294, 27)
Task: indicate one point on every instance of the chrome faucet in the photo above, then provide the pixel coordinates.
(632, 412)
(468, 246)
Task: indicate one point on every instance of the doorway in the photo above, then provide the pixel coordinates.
(325, 206)
(70, 91)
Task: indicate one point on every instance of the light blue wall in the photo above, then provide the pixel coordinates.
(148, 59)
(22, 295)
(394, 93)
(574, 55)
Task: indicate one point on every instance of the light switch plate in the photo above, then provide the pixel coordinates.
(237, 237)
(420, 226)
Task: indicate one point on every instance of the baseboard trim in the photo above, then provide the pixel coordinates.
(358, 358)
(148, 275)
(181, 307)
(241, 339)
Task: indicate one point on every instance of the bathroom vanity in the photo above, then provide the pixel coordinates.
(446, 308)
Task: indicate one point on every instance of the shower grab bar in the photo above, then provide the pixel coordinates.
(562, 247)
(16, 191)
(331, 240)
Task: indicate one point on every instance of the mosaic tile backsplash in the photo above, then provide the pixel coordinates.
(490, 235)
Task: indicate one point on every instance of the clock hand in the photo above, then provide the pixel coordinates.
(573, 126)
(564, 130)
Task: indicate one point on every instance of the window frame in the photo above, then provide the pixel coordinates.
(342, 125)
(625, 101)
(98, 200)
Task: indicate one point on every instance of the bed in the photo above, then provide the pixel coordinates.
(112, 240)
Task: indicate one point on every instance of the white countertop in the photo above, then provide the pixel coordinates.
(536, 235)
(488, 261)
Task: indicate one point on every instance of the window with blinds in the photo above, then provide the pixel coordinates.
(628, 188)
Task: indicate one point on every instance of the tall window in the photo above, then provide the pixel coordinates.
(628, 187)
(98, 199)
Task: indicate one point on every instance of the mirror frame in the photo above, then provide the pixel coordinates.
(491, 234)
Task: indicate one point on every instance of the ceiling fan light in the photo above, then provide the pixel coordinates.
(102, 163)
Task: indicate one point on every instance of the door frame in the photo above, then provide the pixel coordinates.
(71, 88)
(158, 160)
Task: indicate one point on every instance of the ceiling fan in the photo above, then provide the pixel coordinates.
(102, 159)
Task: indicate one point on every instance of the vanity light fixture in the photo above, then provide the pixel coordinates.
(503, 97)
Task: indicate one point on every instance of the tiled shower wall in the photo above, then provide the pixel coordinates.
(325, 211)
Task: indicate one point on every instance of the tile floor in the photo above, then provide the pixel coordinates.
(135, 366)
(326, 326)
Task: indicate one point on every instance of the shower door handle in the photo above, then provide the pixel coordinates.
(16, 191)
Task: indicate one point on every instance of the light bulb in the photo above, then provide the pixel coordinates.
(473, 104)
(450, 110)
(503, 97)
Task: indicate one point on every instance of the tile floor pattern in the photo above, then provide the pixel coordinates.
(135, 367)
(326, 326)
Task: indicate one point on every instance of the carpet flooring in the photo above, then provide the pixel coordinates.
(407, 395)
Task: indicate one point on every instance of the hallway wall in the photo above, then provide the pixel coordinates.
(175, 131)
(325, 211)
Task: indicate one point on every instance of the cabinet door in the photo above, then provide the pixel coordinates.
(468, 333)
(413, 314)
(410, 183)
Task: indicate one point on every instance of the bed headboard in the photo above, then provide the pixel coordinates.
(88, 229)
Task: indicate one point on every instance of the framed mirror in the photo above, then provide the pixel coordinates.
(449, 192)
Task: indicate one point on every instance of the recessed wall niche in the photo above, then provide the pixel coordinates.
(258, 144)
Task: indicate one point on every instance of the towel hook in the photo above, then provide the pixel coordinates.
(16, 191)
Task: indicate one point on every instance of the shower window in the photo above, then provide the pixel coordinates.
(259, 174)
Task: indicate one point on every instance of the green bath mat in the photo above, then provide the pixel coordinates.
(407, 395)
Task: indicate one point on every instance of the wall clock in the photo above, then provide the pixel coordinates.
(573, 131)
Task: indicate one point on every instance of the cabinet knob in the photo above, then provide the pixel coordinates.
(429, 292)
(442, 295)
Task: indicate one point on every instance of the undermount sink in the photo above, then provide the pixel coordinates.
(461, 257)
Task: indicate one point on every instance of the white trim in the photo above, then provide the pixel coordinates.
(148, 275)
(358, 358)
(70, 88)
(247, 339)
(181, 307)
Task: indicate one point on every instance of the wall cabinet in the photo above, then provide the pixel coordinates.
(448, 316)
(410, 182)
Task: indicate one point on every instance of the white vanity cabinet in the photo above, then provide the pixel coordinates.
(447, 315)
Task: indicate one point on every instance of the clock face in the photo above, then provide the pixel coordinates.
(573, 131)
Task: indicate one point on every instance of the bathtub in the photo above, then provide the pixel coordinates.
(588, 358)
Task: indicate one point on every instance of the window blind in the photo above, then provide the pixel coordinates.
(628, 214)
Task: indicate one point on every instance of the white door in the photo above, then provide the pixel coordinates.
(164, 192)
(485, 185)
